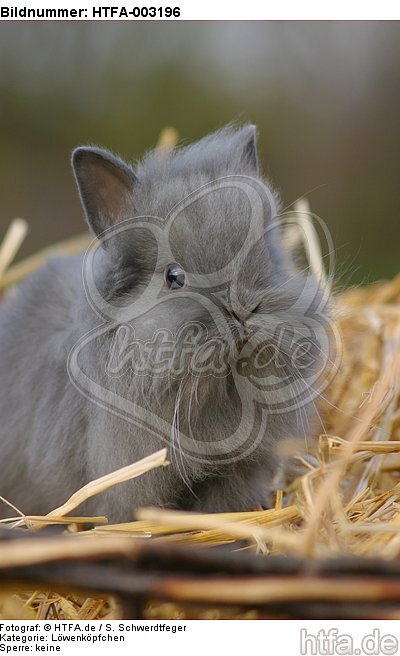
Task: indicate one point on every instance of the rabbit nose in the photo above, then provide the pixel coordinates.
(240, 315)
(243, 313)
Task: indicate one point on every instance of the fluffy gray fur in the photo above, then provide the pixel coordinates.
(53, 440)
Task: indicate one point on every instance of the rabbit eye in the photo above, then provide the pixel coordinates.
(175, 277)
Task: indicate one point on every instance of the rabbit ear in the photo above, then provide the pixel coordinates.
(105, 186)
(248, 137)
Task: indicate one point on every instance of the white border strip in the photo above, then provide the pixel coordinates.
(167, 10)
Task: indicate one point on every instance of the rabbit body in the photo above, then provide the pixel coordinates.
(56, 434)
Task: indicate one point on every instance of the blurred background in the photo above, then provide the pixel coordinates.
(325, 96)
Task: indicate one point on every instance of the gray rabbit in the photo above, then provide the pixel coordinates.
(186, 325)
